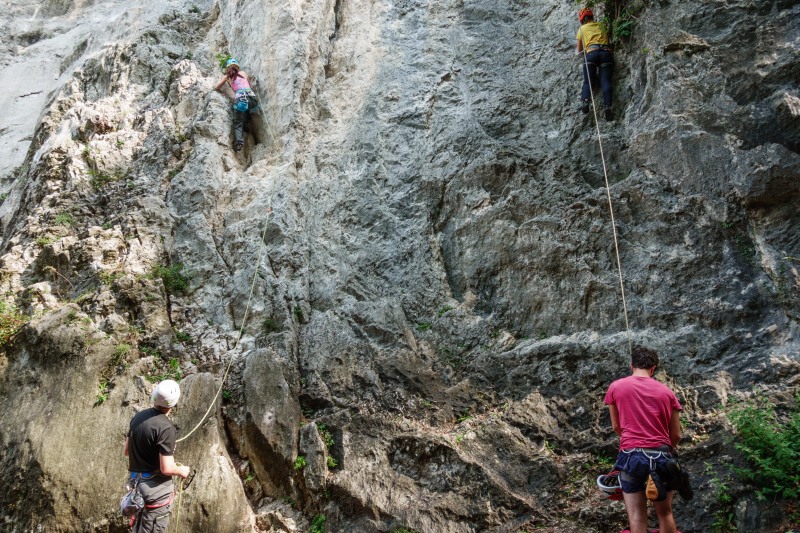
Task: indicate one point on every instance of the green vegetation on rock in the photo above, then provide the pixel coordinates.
(11, 321)
(771, 445)
(317, 524)
(174, 281)
(619, 17)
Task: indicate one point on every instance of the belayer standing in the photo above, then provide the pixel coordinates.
(244, 99)
(646, 416)
(593, 40)
(150, 449)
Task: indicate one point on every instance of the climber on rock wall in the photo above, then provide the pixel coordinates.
(646, 416)
(150, 449)
(244, 99)
(598, 58)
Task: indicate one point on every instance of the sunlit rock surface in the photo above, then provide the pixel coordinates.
(410, 268)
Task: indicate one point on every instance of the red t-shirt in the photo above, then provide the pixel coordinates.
(645, 408)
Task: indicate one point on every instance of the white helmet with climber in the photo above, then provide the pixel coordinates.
(166, 394)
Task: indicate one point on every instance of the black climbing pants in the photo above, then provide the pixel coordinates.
(239, 120)
(601, 61)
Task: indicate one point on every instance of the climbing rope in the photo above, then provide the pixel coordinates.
(246, 311)
(183, 484)
(261, 249)
(178, 511)
(610, 205)
(264, 119)
(250, 296)
(238, 338)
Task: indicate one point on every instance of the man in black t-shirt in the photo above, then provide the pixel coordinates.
(150, 447)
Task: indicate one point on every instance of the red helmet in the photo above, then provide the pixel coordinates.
(584, 13)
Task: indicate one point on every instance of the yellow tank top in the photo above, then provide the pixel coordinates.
(592, 33)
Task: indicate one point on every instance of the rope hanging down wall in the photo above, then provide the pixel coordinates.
(261, 248)
(246, 312)
(610, 205)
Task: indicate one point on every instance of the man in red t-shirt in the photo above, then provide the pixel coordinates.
(646, 416)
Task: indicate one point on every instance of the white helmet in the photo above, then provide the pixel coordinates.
(166, 394)
(609, 483)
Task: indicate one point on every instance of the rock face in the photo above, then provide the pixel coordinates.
(408, 279)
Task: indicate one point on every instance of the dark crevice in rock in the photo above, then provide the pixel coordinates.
(337, 16)
(274, 470)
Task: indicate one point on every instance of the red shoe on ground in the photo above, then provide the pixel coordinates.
(648, 531)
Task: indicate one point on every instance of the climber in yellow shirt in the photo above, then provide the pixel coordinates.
(598, 59)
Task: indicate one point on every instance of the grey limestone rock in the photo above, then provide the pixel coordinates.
(414, 249)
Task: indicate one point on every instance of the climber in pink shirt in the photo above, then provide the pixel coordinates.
(646, 416)
(244, 99)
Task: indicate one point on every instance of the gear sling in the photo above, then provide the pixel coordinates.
(132, 504)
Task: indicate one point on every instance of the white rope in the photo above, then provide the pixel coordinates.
(180, 501)
(265, 121)
(252, 288)
(246, 311)
(608, 192)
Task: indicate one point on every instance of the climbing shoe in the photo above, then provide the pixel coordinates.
(237, 146)
(584, 106)
(609, 113)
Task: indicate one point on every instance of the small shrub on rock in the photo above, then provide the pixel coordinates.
(174, 281)
(271, 326)
(11, 321)
(222, 59)
(64, 219)
(771, 445)
(317, 524)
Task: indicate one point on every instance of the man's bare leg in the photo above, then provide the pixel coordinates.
(636, 505)
(666, 522)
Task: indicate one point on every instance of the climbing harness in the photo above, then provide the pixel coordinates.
(132, 504)
(610, 206)
(655, 489)
(242, 100)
